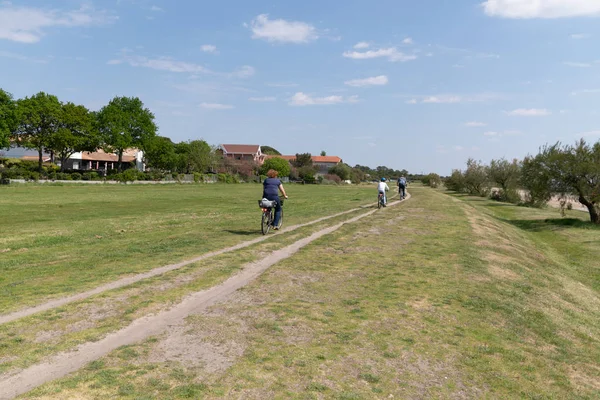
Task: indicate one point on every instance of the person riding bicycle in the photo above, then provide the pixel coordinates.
(382, 187)
(271, 188)
(402, 187)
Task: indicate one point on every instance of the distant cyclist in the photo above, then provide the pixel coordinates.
(271, 188)
(382, 187)
(402, 187)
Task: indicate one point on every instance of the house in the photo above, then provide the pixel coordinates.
(321, 163)
(243, 152)
(103, 161)
(95, 161)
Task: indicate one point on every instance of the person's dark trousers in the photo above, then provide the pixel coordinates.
(277, 209)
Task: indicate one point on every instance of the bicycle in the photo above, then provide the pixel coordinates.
(380, 201)
(268, 215)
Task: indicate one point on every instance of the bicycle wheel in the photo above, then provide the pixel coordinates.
(265, 222)
(379, 202)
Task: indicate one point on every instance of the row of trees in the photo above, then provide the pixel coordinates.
(45, 124)
(557, 170)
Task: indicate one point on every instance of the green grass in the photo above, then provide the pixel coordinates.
(440, 297)
(57, 240)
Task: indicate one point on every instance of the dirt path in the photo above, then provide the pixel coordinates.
(67, 362)
(152, 273)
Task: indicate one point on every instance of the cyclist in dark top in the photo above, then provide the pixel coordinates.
(271, 188)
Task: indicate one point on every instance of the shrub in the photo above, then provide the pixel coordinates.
(456, 181)
(90, 176)
(128, 175)
(432, 180)
(76, 176)
(335, 179)
(278, 164)
(198, 177)
(62, 176)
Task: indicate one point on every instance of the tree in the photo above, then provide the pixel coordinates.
(323, 153)
(357, 175)
(506, 174)
(476, 178)
(7, 118)
(303, 160)
(124, 123)
(160, 154)
(574, 170)
(341, 170)
(38, 119)
(278, 164)
(75, 133)
(201, 157)
(268, 150)
(536, 180)
(456, 181)
(433, 180)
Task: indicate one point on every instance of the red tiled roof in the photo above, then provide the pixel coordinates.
(36, 158)
(105, 157)
(240, 148)
(326, 159)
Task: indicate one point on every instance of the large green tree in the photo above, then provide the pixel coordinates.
(278, 164)
(75, 133)
(574, 170)
(201, 156)
(7, 118)
(268, 150)
(125, 123)
(160, 154)
(39, 117)
(303, 160)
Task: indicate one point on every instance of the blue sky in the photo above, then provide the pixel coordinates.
(421, 85)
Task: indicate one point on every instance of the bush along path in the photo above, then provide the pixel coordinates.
(142, 328)
(155, 272)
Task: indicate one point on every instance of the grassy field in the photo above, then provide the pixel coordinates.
(57, 240)
(440, 297)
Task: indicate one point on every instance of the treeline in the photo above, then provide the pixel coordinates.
(557, 170)
(47, 125)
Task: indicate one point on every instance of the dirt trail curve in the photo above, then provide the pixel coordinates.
(67, 362)
(152, 273)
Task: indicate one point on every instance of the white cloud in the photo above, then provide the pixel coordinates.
(453, 98)
(490, 133)
(262, 99)
(29, 25)
(162, 64)
(532, 112)
(20, 57)
(390, 53)
(216, 106)
(408, 41)
(245, 71)
(302, 99)
(442, 99)
(156, 8)
(525, 9)
(171, 65)
(585, 91)
(209, 48)
(362, 45)
(579, 36)
(373, 81)
(283, 85)
(475, 124)
(577, 64)
(280, 30)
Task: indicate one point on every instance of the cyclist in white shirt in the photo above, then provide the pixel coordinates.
(382, 187)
